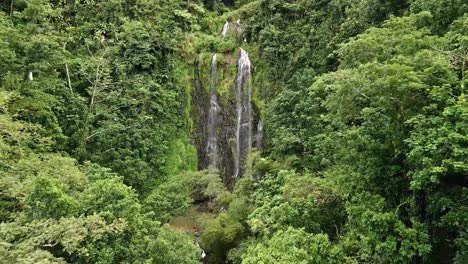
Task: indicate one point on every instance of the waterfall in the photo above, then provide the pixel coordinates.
(244, 112)
(259, 137)
(227, 125)
(225, 29)
(212, 142)
(238, 26)
(197, 239)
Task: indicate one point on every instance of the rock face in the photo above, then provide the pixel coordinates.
(199, 115)
(226, 121)
(212, 148)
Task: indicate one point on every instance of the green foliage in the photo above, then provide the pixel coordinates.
(171, 198)
(208, 184)
(364, 101)
(298, 39)
(385, 133)
(54, 241)
(225, 231)
(55, 211)
(443, 11)
(374, 235)
(294, 246)
(48, 199)
(97, 196)
(103, 85)
(287, 199)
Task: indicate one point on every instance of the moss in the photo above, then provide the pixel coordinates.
(183, 78)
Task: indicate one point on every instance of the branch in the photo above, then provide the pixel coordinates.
(51, 245)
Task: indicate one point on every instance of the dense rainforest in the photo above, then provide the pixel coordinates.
(233, 131)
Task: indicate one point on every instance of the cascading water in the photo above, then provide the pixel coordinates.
(225, 29)
(212, 142)
(259, 138)
(238, 26)
(244, 112)
(225, 133)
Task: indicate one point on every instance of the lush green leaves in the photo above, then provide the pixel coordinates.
(365, 159)
(294, 246)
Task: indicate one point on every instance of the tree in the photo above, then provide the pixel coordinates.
(294, 246)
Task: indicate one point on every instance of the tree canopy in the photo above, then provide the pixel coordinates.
(105, 108)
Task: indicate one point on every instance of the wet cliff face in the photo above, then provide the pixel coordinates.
(213, 115)
(226, 120)
(198, 114)
(212, 146)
